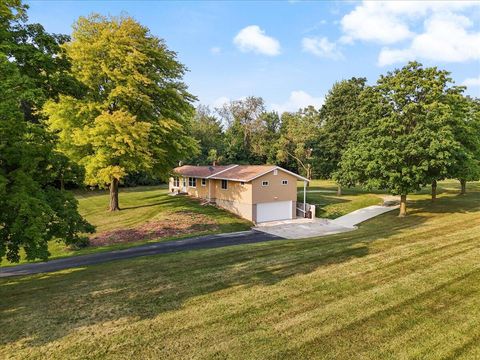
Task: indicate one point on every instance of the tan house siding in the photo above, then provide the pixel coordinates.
(198, 191)
(242, 209)
(237, 198)
(212, 189)
(242, 198)
(275, 191)
(235, 192)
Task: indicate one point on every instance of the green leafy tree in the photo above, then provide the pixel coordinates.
(243, 118)
(466, 128)
(207, 129)
(265, 137)
(407, 138)
(33, 210)
(136, 111)
(340, 122)
(299, 139)
(252, 132)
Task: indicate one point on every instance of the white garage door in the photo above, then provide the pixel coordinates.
(272, 211)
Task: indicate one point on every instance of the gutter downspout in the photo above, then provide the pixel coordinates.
(304, 198)
(209, 198)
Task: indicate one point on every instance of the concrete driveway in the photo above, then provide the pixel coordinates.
(302, 228)
(306, 228)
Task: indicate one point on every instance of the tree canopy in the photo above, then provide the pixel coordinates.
(407, 140)
(465, 123)
(340, 122)
(135, 111)
(33, 210)
(299, 139)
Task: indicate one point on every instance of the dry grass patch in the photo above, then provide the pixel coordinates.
(174, 224)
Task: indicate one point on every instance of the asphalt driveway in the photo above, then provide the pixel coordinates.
(195, 243)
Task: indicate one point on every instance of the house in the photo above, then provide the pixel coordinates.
(258, 193)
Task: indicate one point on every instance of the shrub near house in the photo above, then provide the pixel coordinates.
(257, 193)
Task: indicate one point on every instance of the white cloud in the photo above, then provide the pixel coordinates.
(445, 36)
(321, 47)
(298, 100)
(472, 81)
(253, 39)
(215, 50)
(219, 102)
(371, 22)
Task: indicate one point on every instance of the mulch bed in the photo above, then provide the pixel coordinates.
(178, 223)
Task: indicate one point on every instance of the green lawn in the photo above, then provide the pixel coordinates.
(323, 194)
(396, 288)
(146, 205)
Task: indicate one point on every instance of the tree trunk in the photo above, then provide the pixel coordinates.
(309, 174)
(403, 206)
(339, 190)
(463, 184)
(114, 195)
(434, 190)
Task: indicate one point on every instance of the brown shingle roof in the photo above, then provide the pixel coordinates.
(244, 172)
(199, 171)
(229, 172)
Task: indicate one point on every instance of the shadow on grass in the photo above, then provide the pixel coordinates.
(145, 287)
(411, 310)
(169, 282)
(450, 204)
(86, 193)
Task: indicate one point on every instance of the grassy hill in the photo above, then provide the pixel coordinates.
(148, 214)
(395, 288)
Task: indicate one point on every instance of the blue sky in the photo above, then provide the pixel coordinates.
(291, 52)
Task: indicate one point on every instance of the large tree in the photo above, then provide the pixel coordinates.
(243, 119)
(207, 129)
(340, 122)
(136, 110)
(466, 128)
(33, 208)
(407, 138)
(299, 136)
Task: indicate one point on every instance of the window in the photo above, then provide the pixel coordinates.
(284, 182)
(176, 181)
(242, 183)
(192, 182)
(224, 184)
(264, 183)
(204, 182)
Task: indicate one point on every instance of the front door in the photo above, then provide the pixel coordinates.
(184, 185)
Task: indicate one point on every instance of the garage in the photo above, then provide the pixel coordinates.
(273, 211)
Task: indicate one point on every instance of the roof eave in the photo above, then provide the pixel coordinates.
(279, 168)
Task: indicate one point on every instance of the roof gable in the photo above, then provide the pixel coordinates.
(244, 173)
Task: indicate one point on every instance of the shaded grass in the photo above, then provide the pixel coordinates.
(395, 288)
(322, 194)
(140, 205)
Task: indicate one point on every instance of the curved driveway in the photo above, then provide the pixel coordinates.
(195, 243)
